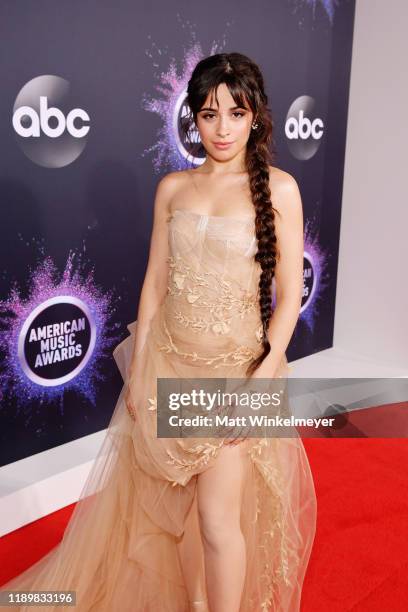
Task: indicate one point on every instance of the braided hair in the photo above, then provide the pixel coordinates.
(245, 83)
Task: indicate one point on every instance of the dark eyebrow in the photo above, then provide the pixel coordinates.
(208, 108)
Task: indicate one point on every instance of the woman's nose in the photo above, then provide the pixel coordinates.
(222, 128)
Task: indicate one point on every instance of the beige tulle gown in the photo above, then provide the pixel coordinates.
(119, 550)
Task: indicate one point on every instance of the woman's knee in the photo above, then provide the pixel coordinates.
(219, 498)
(218, 525)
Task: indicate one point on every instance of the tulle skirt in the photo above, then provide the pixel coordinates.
(120, 548)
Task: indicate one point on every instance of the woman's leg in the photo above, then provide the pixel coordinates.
(191, 555)
(219, 495)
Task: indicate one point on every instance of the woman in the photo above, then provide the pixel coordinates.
(218, 524)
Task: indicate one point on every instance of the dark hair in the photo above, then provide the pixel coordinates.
(245, 82)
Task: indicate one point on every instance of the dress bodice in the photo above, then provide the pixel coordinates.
(213, 279)
(219, 244)
(220, 227)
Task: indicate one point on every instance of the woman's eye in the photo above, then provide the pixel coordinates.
(211, 115)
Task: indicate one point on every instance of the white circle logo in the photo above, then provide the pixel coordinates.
(309, 280)
(303, 129)
(50, 129)
(190, 147)
(57, 340)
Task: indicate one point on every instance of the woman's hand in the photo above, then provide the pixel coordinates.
(133, 384)
(241, 435)
(131, 408)
(265, 370)
(238, 433)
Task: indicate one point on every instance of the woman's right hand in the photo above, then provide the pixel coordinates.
(235, 434)
(133, 384)
(131, 408)
(134, 377)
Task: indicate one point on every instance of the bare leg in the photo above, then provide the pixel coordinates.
(191, 555)
(219, 491)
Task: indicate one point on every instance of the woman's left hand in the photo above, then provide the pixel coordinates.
(265, 370)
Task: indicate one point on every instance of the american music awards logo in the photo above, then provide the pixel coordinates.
(315, 274)
(189, 147)
(55, 339)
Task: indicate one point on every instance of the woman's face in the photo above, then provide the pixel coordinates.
(225, 123)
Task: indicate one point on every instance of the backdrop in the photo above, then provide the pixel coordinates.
(91, 100)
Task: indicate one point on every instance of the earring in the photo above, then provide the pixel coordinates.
(254, 126)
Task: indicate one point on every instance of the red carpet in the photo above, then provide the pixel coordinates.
(359, 562)
(23, 547)
(360, 557)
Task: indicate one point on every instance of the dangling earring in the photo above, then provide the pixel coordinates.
(254, 126)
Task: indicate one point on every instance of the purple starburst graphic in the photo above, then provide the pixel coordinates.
(171, 86)
(317, 257)
(328, 5)
(74, 284)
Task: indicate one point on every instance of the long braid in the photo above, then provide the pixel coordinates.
(258, 170)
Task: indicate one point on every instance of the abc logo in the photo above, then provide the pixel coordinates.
(303, 129)
(41, 122)
(51, 129)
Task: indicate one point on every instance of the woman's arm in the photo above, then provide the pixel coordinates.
(286, 199)
(155, 282)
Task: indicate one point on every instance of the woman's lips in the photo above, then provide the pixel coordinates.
(223, 145)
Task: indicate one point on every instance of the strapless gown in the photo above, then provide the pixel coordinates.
(119, 550)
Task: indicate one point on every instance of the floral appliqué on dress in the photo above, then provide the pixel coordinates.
(209, 291)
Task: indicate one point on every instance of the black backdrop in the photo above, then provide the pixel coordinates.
(93, 195)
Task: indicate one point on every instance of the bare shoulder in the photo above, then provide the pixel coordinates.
(166, 188)
(281, 181)
(171, 181)
(285, 194)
